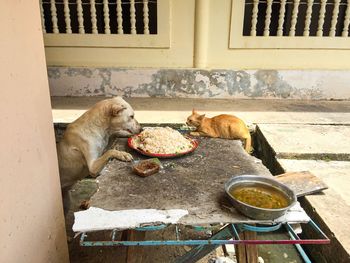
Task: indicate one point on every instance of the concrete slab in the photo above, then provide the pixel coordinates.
(308, 141)
(194, 183)
(336, 174)
(165, 110)
(171, 104)
(331, 209)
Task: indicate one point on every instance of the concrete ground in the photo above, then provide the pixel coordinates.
(334, 204)
(165, 110)
(300, 135)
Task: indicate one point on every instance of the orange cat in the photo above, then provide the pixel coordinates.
(221, 126)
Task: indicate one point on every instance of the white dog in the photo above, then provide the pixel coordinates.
(80, 152)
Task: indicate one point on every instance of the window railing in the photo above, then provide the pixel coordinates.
(293, 24)
(106, 23)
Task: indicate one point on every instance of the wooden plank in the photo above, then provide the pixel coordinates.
(135, 253)
(251, 250)
(240, 251)
(302, 183)
(247, 253)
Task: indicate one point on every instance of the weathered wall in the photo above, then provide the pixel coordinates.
(199, 37)
(194, 83)
(32, 225)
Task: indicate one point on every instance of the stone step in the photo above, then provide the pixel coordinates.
(305, 141)
(330, 209)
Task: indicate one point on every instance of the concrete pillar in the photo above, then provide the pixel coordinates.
(201, 33)
(31, 216)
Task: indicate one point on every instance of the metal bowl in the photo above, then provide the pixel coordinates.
(257, 212)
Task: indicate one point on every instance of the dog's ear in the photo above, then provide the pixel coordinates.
(116, 109)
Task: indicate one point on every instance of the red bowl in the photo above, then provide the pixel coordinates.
(162, 155)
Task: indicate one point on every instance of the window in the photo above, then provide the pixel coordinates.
(290, 24)
(106, 23)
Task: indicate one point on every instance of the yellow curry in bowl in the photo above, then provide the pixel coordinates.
(260, 195)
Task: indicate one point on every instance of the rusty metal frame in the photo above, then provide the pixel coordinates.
(232, 229)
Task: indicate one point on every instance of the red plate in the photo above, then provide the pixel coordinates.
(162, 155)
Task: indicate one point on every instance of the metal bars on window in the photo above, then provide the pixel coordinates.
(99, 16)
(293, 18)
(290, 24)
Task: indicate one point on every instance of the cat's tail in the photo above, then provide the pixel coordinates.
(248, 144)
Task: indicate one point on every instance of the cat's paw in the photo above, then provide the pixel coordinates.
(196, 134)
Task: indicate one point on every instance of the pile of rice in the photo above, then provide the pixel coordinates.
(163, 140)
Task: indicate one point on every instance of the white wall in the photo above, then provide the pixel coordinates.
(31, 216)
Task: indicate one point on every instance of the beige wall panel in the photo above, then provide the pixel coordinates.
(180, 53)
(220, 56)
(32, 225)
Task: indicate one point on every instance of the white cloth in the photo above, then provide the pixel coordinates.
(95, 219)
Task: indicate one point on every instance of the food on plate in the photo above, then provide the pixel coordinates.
(162, 140)
(261, 196)
(146, 167)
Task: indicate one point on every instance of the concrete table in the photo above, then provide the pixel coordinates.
(193, 183)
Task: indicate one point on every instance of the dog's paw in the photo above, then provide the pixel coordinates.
(124, 156)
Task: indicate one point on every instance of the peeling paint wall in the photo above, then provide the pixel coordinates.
(198, 83)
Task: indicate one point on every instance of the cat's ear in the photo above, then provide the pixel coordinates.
(193, 111)
(201, 117)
